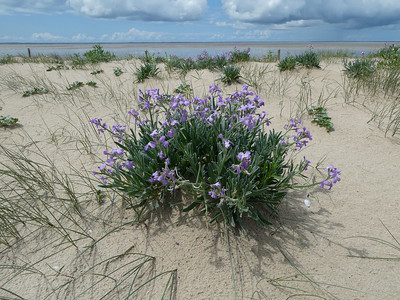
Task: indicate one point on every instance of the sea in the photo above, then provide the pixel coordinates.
(124, 50)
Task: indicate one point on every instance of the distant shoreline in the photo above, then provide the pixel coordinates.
(181, 49)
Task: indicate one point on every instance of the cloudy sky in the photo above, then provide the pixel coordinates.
(198, 20)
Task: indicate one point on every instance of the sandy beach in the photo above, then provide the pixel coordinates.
(343, 246)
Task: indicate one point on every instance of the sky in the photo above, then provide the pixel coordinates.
(96, 21)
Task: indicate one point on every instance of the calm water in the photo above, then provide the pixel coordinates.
(190, 49)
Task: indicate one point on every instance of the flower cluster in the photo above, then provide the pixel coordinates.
(245, 161)
(166, 176)
(101, 127)
(213, 148)
(301, 137)
(217, 192)
(333, 177)
(157, 139)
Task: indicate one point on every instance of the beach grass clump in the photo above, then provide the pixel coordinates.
(145, 71)
(7, 59)
(320, 116)
(270, 57)
(75, 85)
(7, 121)
(287, 64)
(118, 72)
(94, 56)
(214, 153)
(230, 75)
(35, 91)
(77, 61)
(98, 54)
(206, 61)
(308, 59)
(151, 58)
(238, 55)
(361, 68)
(389, 56)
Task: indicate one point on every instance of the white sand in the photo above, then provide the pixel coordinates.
(319, 242)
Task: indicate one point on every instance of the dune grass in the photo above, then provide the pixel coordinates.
(38, 199)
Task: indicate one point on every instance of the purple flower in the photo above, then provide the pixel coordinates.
(151, 144)
(163, 141)
(134, 113)
(302, 137)
(128, 164)
(154, 133)
(307, 163)
(165, 176)
(171, 133)
(103, 179)
(217, 192)
(333, 177)
(161, 155)
(100, 127)
(245, 161)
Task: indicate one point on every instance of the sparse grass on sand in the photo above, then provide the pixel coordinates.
(63, 236)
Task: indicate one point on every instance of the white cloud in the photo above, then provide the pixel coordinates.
(148, 10)
(81, 37)
(132, 35)
(43, 6)
(355, 13)
(236, 25)
(45, 36)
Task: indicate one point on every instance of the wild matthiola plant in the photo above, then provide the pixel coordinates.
(213, 150)
(7, 121)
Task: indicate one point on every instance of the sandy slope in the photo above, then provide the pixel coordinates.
(320, 242)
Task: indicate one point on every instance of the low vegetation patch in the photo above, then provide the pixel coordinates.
(145, 71)
(230, 75)
(320, 116)
(75, 85)
(7, 121)
(35, 91)
(360, 68)
(117, 72)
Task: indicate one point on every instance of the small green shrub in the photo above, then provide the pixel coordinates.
(308, 59)
(389, 57)
(75, 85)
(97, 54)
(151, 58)
(215, 152)
(117, 72)
(91, 83)
(239, 55)
(7, 121)
(230, 74)
(359, 68)
(57, 67)
(184, 89)
(146, 71)
(270, 57)
(288, 63)
(320, 116)
(77, 61)
(35, 91)
(97, 71)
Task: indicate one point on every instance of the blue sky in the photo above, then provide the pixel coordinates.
(198, 20)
